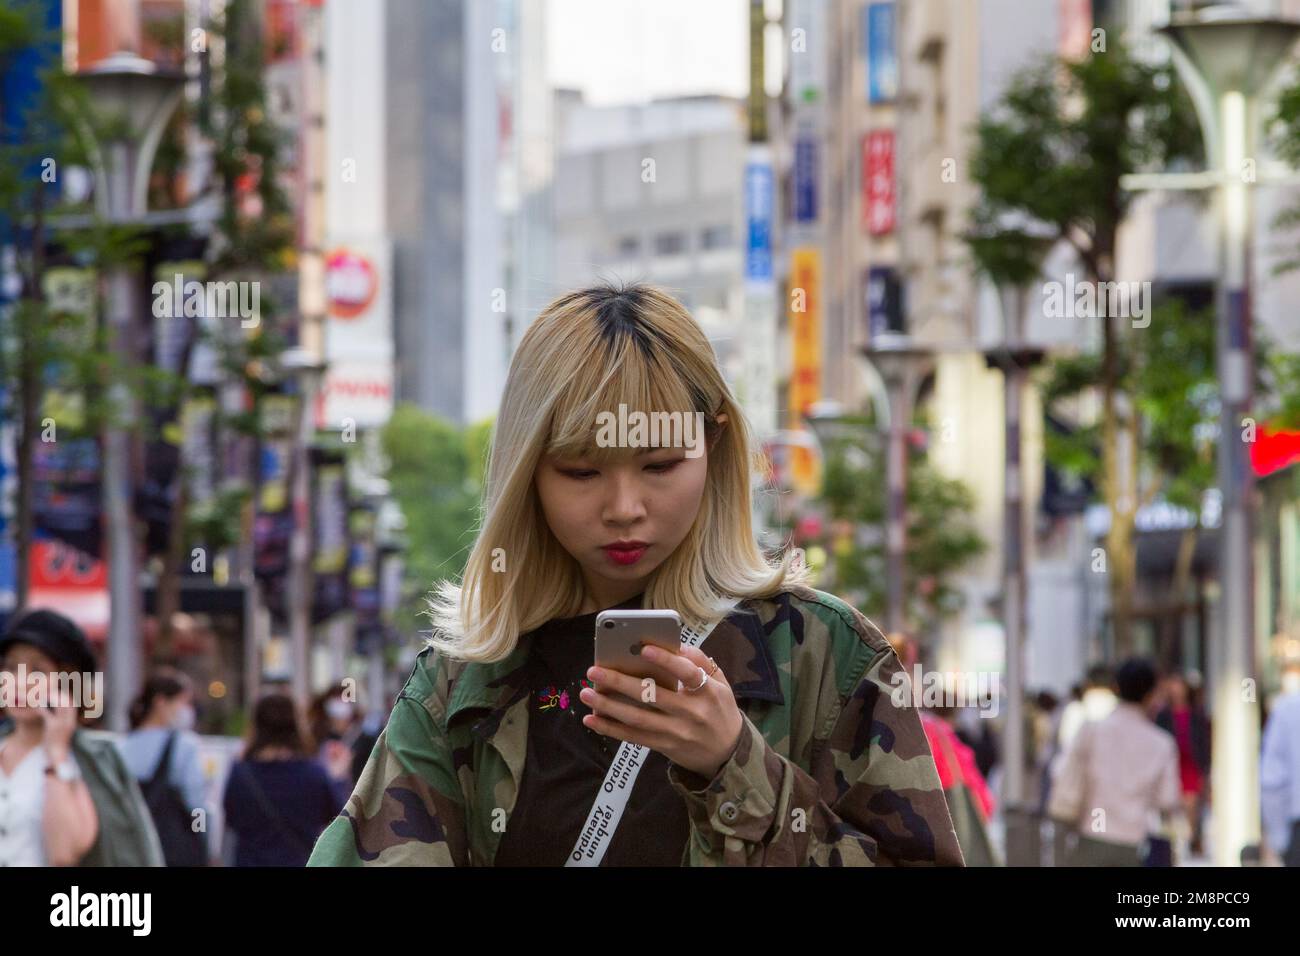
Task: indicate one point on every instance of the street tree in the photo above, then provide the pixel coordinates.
(1048, 160)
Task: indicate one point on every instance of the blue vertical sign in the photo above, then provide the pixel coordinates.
(758, 221)
(8, 550)
(882, 61)
(20, 84)
(805, 179)
(884, 295)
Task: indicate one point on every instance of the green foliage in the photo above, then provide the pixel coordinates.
(1169, 373)
(1050, 155)
(1285, 126)
(436, 476)
(1176, 397)
(247, 147)
(217, 523)
(940, 538)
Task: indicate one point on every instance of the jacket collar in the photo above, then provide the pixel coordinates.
(738, 643)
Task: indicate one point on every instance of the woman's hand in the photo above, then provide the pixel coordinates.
(697, 730)
(59, 721)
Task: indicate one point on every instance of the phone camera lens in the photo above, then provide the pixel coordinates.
(609, 625)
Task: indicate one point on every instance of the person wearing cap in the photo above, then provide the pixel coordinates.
(66, 796)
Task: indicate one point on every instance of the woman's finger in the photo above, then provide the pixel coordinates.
(680, 665)
(610, 681)
(621, 731)
(624, 712)
(702, 659)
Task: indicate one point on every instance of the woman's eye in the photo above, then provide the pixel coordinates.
(580, 474)
(660, 467)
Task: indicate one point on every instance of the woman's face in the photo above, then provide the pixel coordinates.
(33, 661)
(177, 711)
(651, 499)
(1176, 692)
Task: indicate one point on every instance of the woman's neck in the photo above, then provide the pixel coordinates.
(274, 753)
(600, 601)
(27, 733)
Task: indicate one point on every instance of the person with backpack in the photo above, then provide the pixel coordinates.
(278, 798)
(163, 754)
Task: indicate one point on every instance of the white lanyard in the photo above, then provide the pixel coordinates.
(615, 790)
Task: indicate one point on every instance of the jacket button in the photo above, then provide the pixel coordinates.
(729, 812)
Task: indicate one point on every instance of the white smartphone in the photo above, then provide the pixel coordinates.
(620, 635)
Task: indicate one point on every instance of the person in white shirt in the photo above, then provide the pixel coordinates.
(47, 816)
(1117, 774)
(1098, 701)
(1279, 769)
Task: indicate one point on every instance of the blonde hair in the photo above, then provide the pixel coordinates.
(590, 351)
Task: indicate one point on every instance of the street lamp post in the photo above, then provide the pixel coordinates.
(308, 371)
(139, 99)
(1226, 59)
(1014, 359)
(901, 365)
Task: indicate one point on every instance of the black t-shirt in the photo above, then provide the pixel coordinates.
(566, 763)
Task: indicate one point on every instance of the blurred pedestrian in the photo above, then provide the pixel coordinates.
(980, 734)
(1184, 718)
(278, 798)
(163, 754)
(1117, 772)
(67, 797)
(969, 801)
(1047, 712)
(1096, 701)
(341, 733)
(1279, 767)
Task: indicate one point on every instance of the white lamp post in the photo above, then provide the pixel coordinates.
(1226, 58)
(299, 363)
(137, 100)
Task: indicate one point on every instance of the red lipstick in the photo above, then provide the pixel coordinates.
(626, 552)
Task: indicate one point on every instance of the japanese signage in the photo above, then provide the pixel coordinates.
(879, 207)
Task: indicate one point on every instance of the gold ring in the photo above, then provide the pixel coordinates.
(704, 679)
(714, 669)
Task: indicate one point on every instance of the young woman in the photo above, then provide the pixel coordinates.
(66, 795)
(278, 798)
(339, 730)
(163, 755)
(782, 745)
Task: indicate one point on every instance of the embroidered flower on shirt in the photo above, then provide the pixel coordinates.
(550, 697)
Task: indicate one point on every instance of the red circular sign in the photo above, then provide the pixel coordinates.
(350, 283)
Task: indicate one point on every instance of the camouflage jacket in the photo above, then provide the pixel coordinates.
(828, 770)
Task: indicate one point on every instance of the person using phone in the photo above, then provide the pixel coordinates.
(619, 478)
(67, 797)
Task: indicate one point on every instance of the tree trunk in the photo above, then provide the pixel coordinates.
(169, 580)
(1120, 560)
(1178, 591)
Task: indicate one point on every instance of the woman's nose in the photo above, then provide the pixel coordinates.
(626, 502)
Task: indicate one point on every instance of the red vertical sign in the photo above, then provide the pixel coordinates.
(879, 211)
